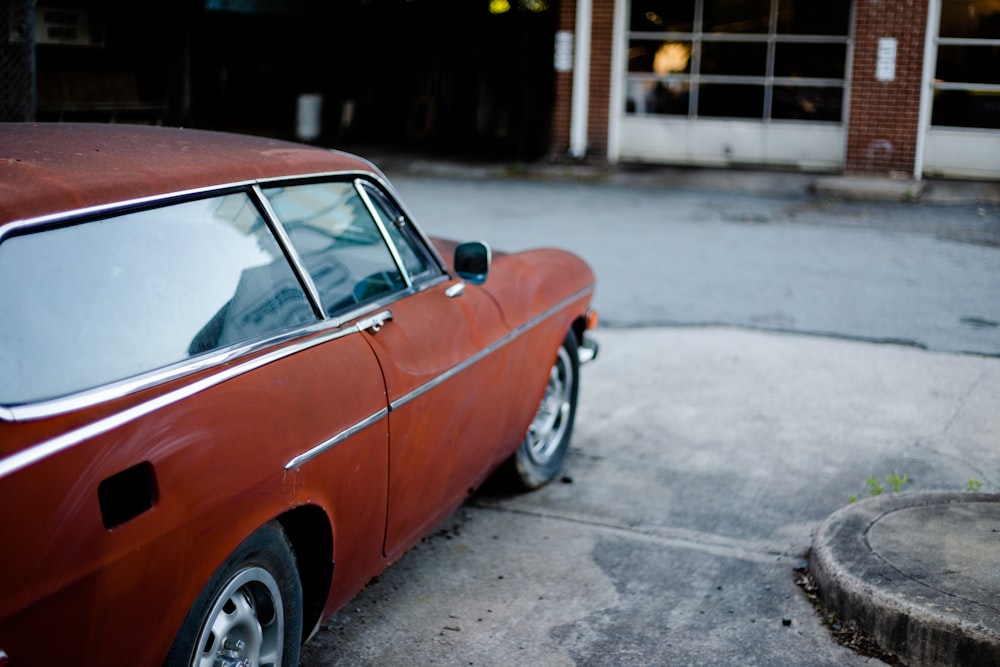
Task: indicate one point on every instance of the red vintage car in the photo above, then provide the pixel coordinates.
(237, 381)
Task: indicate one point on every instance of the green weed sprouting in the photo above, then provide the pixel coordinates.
(873, 486)
(896, 481)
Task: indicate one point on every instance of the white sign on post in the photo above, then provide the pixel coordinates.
(564, 51)
(885, 65)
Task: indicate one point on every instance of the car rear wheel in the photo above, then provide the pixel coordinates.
(540, 456)
(250, 612)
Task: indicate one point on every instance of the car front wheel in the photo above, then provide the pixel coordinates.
(540, 456)
(250, 612)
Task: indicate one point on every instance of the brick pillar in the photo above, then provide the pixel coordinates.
(563, 104)
(883, 121)
(601, 43)
(601, 35)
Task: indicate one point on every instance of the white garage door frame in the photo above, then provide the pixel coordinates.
(951, 152)
(807, 146)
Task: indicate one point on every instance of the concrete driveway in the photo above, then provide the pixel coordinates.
(703, 460)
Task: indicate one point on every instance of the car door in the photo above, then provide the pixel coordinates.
(445, 361)
(439, 343)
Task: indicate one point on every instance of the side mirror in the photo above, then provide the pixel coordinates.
(472, 261)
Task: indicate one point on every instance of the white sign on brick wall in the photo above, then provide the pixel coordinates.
(885, 65)
(564, 51)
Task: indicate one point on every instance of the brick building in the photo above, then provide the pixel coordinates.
(904, 87)
(909, 87)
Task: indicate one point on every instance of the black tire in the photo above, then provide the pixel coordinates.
(540, 456)
(250, 608)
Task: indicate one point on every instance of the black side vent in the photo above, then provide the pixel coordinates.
(127, 495)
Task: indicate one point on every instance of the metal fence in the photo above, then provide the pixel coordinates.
(17, 60)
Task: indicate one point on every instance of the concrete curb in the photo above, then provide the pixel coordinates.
(925, 616)
(870, 188)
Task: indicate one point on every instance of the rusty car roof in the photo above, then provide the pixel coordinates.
(49, 168)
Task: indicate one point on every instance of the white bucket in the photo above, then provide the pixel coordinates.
(308, 120)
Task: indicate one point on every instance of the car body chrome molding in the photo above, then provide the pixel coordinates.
(38, 452)
(121, 388)
(486, 351)
(43, 450)
(337, 439)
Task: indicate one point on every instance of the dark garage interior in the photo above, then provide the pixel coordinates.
(463, 77)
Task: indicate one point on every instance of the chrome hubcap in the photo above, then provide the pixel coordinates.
(246, 625)
(552, 418)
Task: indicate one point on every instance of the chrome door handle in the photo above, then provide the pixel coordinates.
(374, 322)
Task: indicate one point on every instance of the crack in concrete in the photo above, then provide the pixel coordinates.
(756, 551)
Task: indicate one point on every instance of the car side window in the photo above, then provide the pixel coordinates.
(339, 242)
(91, 303)
(410, 253)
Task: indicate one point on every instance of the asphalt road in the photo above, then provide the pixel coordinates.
(737, 402)
(918, 274)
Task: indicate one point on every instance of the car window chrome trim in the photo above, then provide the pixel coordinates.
(359, 187)
(43, 450)
(420, 245)
(515, 333)
(121, 388)
(310, 454)
(377, 178)
(291, 255)
(390, 191)
(118, 207)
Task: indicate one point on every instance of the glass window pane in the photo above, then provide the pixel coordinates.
(807, 103)
(966, 108)
(722, 100)
(968, 64)
(820, 61)
(341, 246)
(734, 58)
(976, 19)
(812, 17)
(662, 16)
(658, 57)
(739, 16)
(106, 300)
(658, 97)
